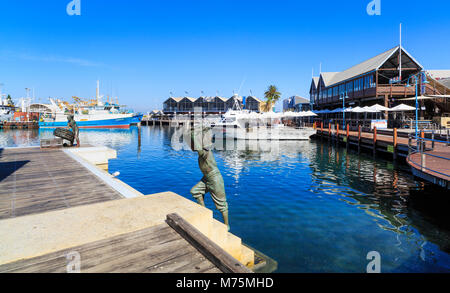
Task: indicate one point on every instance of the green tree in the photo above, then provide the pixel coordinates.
(272, 95)
(9, 101)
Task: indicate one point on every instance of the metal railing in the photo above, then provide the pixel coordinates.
(420, 147)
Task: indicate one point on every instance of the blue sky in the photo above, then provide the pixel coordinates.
(142, 50)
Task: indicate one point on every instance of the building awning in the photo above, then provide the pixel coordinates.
(425, 98)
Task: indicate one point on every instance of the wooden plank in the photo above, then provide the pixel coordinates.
(155, 249)
(219, 257)
(34, 180)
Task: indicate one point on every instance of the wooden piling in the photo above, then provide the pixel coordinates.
(348, 136)
(337, 133)
(395, 141)
(359, 139)
(374, 141)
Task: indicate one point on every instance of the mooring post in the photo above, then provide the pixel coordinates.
(448, 141)
(422, 154)
(337, 133)
(395, 144)
(409, 144)
(329, 129)
(432, 140)
(422, 135)
(348, 135)
(359, 139)
(374, 141)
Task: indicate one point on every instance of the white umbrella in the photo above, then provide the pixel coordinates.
(358, 109)
(310, 114)
(271, 115)
(291, 114)
(369, 110)
(348, 110)
(402, 107)
(378, 108)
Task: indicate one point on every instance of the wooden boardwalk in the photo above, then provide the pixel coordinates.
(34, 180)
(433, 165)
(158, 249)
(38, 182)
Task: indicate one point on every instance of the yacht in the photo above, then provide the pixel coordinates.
(246, 125)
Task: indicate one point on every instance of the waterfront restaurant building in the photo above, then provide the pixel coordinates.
(210, 105)
(377, 81)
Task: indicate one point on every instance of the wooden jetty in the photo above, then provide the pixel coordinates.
(428, 155)
(373, 141)
(56, 204)
(431, 161)
(19, 125)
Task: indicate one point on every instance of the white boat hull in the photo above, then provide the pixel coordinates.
(266, 133)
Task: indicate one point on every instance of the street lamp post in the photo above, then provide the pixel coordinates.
(344, 95)
(417, 102)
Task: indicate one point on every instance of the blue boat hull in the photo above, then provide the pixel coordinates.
(107, 123)
(137, 118)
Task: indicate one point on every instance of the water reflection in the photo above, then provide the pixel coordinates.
(96, 137)
(311, 206)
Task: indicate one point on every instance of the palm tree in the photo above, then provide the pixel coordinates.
(272, 96)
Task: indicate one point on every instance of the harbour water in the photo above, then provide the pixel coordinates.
(311, 206)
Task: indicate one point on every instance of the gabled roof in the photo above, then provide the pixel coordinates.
(439, 74)
(175, 99)
(314, 83)
(367, 66)
(256, 99)
(222, 99)
(445, 82)
(327, 77)
(190, 99)
(300, 100)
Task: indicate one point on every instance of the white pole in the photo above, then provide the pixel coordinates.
(400, 55)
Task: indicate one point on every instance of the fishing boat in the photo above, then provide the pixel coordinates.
(93, 115)
(6, 113)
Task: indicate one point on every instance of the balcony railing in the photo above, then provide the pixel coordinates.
(396, 90)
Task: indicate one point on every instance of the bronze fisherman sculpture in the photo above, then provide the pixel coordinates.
(212, 181)
(73, 125)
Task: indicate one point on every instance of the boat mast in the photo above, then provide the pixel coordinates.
(400, 56)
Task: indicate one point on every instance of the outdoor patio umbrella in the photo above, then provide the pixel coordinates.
(358, 109)
(309, 114)
(378, 108)
(369, 110)
(401, 108)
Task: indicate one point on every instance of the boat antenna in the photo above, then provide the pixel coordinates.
(242, 83)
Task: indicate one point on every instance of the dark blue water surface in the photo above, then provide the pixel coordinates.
(311, 206)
